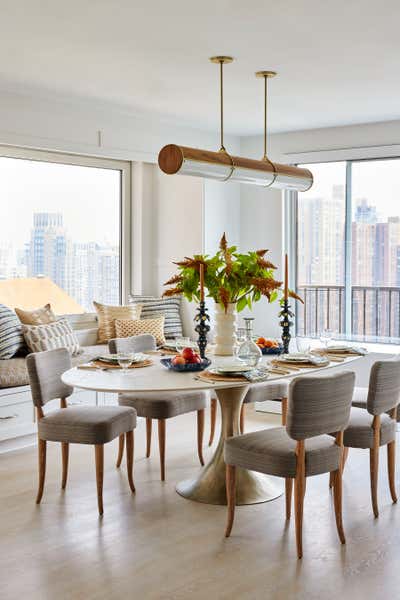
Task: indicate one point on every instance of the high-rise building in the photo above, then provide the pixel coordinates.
(48, 247)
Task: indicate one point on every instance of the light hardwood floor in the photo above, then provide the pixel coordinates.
(158, 546)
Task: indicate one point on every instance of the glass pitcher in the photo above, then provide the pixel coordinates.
(248, 352)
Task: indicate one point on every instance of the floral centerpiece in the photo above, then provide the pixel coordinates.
(234, 280)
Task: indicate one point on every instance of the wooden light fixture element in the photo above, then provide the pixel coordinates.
(221, 166)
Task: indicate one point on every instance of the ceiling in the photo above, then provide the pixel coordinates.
(338, 62)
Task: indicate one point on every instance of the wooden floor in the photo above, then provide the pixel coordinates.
(157, 545)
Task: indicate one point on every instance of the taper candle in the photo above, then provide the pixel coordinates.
(201, 282)
(286, 289)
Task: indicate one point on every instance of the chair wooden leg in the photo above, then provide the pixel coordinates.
(288, 495)
(337, 498)
(161, 445)
(344, 459)
(65, 456)
(200, 433)
(99, 457)
(242, 418)
(230, 497)
(299, 491)
(213, 418)
(284, 406)
(121, 444)
(42, 468)
(129, 458)
(149, 423)
(391, 460)
(374, 466)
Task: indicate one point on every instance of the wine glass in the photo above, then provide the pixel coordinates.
(125, 359)
(181, 343)
(325, 337)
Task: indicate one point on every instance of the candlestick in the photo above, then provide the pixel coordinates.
(201, 282)
(286, 289)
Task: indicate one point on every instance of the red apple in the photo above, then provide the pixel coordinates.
(187, 353)
(178, 360)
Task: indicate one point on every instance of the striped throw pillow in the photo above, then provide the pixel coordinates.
(51, 336)
(170, 308)
(11, 338)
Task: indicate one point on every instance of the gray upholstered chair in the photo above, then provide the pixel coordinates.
(75, 424)
(259, 392)
(318, 405)
(373, 427)
(158, 405)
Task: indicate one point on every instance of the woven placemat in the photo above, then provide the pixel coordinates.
(296, 365)
(100, 364)
(207, 376)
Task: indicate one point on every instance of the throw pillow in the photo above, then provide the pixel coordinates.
(51, 336)
(169, 307)
(129, 327)
(39, 316)
(11, 338)
(108, 314)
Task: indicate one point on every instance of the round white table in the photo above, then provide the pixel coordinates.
(209, 485)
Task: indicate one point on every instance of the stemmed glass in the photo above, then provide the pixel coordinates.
(325, 337)
(181, 343)
(125, 359)
(303, 345)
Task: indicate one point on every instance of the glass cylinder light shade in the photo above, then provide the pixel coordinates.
(221, 166)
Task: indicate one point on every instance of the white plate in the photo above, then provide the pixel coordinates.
(231, 369)
(113, 358)
(295, 357)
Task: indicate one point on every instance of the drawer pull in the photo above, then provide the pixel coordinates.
(7, 417)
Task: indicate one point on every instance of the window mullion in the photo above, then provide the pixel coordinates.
(348, 253)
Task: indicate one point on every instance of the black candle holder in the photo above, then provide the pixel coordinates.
(286, 315)
(202, 319)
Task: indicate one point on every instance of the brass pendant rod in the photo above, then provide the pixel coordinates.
(221, 83)
(265, 118)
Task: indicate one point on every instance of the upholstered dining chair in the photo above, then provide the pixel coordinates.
(318, 405)
(260, 392)
(94, 425)
(373, 427)
(158, 405)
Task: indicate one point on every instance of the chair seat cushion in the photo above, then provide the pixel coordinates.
(87, 424)
(272, 451)
(360, 397)
(163, 405)
(359, 433)
(261, 392)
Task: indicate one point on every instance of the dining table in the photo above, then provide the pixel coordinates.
(208, 485)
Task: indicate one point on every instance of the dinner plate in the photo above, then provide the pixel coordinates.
(113, 358)
(295, 357)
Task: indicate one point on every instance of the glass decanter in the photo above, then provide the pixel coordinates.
(248, 351)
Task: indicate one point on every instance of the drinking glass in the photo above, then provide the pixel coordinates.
(181, 343)
(125, 359)
(303, 345)
(325, 337)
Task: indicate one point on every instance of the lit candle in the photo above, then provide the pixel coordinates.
(201, 283)
(286, 290)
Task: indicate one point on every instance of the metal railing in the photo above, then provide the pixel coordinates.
(375, 311)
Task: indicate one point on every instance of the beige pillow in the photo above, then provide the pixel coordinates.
(129, 327)
(39, 316)
(39, 338)
(106, 316)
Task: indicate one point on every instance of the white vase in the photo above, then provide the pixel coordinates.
(225, 329)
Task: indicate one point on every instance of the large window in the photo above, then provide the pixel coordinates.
(348, 250)
(60, 231)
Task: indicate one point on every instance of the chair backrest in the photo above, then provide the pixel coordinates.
(45, 370)
(384, 386)
(319, 404)
(135, 343)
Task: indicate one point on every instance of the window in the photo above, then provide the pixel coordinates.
(60, 231)
(348, 251)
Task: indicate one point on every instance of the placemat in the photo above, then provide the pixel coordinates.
(296, 366)
(207, 376)
(99, 364)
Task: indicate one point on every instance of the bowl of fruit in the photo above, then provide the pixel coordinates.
(269, 346)
(187, 361)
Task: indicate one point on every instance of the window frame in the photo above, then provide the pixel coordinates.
(125, 221)
(291, 234)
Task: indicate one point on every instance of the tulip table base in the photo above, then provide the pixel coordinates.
(209, 487)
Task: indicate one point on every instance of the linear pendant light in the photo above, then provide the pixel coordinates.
(221, 166)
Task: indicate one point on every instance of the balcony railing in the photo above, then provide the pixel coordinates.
(375, 311)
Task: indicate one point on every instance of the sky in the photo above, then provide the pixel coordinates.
(376, 180)
(88, 198)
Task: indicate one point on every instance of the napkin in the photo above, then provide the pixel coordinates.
(256, 375)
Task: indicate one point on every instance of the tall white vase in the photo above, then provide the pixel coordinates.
(225, 329)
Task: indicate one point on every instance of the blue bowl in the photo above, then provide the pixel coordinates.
(189, 368)
(276, 350)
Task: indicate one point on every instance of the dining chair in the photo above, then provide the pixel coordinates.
(373, 427)
(318, 405)
(158, 405)
(276, 391)
(96, 425)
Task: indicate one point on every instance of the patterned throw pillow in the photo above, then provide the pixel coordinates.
(108, 314)
(39, 316)
(169, 307)
(51, 336)
(11, 338)
(129, 327)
